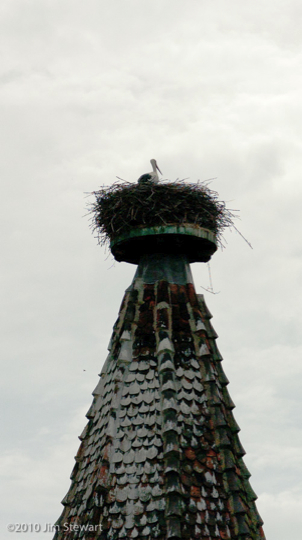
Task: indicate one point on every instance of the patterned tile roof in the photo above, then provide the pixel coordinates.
(160, 457)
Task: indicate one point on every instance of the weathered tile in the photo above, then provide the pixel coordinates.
(128, 457)
(161, 435)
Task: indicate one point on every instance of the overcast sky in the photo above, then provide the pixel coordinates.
(91, 90)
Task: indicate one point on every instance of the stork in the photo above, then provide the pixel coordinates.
(152, 176)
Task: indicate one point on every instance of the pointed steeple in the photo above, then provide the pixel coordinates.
(160, 456)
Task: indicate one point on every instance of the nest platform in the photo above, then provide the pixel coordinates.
(196, 243)
(166, 217)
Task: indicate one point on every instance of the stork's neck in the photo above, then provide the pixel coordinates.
(153, 163)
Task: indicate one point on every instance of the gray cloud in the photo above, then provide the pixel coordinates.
(90, 91)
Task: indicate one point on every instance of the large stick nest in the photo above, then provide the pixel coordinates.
(126, 205)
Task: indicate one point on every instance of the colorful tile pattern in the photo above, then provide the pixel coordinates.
(160, 457)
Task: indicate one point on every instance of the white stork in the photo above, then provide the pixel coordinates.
(152, 176)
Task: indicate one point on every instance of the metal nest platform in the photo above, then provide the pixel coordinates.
(197, 243)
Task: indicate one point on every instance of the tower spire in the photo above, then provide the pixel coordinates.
(160, 456)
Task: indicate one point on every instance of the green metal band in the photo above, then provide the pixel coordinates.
(188, 230)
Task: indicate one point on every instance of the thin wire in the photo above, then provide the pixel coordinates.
(210, 277)
(210, 288)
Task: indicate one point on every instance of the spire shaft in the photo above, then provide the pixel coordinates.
(160, 456)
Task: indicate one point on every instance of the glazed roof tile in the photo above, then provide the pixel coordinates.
(160, 457)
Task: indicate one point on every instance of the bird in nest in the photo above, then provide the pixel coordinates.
(151, 176)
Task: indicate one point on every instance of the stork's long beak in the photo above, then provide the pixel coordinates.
(158, 169)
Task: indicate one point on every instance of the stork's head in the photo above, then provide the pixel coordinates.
(155, 166)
